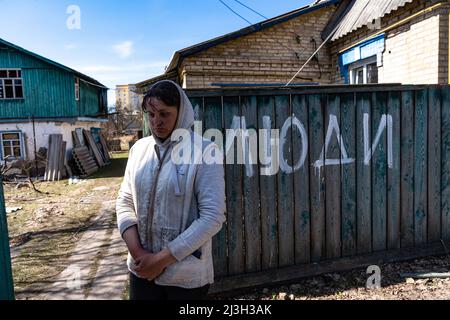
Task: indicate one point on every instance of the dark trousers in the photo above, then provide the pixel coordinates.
(142, 289)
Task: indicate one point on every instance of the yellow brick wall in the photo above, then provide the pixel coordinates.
(444, 46)
(415, 53)
(265, 56)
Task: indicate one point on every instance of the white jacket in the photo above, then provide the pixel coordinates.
(175, 206)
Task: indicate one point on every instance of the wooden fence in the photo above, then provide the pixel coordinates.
(364, 177)
(6, 279)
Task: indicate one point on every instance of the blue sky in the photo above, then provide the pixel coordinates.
(122, 42)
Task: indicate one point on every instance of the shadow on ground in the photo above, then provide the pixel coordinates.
(114, 170)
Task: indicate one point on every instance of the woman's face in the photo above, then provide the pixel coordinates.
(162, 117)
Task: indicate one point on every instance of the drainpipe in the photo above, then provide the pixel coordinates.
(34, 144)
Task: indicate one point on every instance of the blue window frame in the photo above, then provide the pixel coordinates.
(359, 61)
(12, 145)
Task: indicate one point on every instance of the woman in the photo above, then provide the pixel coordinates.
(168, 212)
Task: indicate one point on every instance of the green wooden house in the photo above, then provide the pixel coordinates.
(39, 97)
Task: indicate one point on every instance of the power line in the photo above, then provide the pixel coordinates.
(276, 41)
(235, 12)
(259, 14)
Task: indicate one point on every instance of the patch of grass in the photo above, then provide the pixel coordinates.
(45, 232)
(47, 250)
(116, 169)
(119, 154)
(20, 221)
(39, 262)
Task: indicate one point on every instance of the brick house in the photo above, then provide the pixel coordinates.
(401, 41)
(384, 41)
(269, 52)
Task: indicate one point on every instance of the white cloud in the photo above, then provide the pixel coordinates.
(125, 69)
(71, 46)
(130, 72)
(124, 49)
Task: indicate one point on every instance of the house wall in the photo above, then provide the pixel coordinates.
(415, 52)
(444, 46)
(264, 56)
(43, 130)
(48, 91)
(89, 104)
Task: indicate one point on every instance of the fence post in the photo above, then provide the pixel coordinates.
(6, 279)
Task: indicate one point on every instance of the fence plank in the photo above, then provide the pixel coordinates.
(302, 213)
(197, 104)
(316, 104)
(285, 184)
(6, 277)
(379, 173)
(393, 201)
(267, 182)
(211, 115)
(420, 168)
(251, 188)
(348, 128)
(434, 164)
(236, 259)
(445, 211)
(363, 179)
(407, 170)
(333, 176)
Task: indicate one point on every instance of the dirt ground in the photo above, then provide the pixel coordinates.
(352, 285)
(45, 231)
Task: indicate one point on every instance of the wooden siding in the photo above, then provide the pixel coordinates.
(48, 91)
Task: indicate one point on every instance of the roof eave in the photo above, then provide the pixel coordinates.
(340, 13)
(179, 55)
(54, 63)
(143, 84)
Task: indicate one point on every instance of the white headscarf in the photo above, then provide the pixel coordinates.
(185, 118)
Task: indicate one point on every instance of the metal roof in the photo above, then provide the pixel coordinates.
(362, 12)
(84, 77)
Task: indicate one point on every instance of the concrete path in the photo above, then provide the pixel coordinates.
(112, 274)
(97, 267)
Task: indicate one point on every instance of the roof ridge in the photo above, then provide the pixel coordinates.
(54, 63)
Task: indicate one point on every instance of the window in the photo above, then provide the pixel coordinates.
(361, 63)
(364, 71)
(11, 84)
(372, 73)
(11, 145)
(358, 76)
(77, 89)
